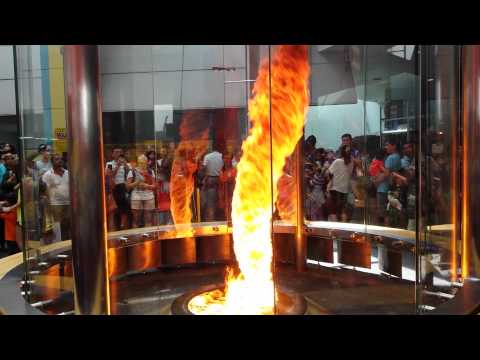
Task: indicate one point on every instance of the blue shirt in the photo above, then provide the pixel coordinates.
(406, 161)
(392, 163)
(3, 171)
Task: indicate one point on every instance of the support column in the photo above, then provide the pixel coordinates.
(87, 188)
(470, 164)
(300, 239)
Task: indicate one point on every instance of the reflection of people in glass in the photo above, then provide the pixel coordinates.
(236, 157)
(408, 170)
(227, 185)
(141, 180)
(151, 158)
(355, 189)
(164, 169)
(8, 212)
(377, 166)
(439, 180)
(286, 204)
(309, 148)
(347, 141)
(212, 165)
(6, 156)
(392, 164)
(43, 164)
(341, 174)
(56, 181)
(32, 219)
(316, 198)
(117, 171)
(10, 178)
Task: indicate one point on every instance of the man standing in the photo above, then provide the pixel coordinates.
(408, 169)
(10, 178)
(43, 164)
(392, 164)
(3, 168)
(8, 181)
(212, 166)
(347, 141)
(117, 170)
(56, 181)
(309, 148)
(3, 171)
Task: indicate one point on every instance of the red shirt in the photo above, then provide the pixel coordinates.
(10, 224)
(376, 166)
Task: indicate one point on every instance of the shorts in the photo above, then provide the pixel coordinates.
(339, 202)
(143, 204)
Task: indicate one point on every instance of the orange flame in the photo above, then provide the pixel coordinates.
(252, 292)
(193, 142)
(287, 194)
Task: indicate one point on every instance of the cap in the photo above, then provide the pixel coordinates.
(42, 147)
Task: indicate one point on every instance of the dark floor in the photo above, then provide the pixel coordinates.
(330, 291)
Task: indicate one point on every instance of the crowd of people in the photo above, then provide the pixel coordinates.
(46, 198)
(139, 193)
(337, 183)
(10, 242)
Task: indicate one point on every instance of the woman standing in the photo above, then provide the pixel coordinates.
(340, 172)
(141, 181)
(151, 159)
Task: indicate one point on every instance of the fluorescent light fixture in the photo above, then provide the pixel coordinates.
(320, 48)
(395, 131)
(402, 51)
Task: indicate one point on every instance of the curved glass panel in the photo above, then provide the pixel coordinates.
(326, 173)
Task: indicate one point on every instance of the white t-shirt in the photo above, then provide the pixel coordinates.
(120, 176)
(342, 174)
(57, 187)
(43, 167)
(213, 163)
(138, 194)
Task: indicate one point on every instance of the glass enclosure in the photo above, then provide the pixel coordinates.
(330, 169)
(43, 141)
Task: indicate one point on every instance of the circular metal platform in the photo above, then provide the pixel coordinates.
(288, 303)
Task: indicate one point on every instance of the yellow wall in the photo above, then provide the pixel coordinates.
(57, 96)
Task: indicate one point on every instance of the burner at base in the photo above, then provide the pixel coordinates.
(288, 303)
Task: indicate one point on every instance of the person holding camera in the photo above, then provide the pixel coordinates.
(117, 171)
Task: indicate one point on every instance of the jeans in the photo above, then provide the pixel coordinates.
(211, 198)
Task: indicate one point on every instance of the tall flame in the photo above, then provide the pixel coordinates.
(284, 81)
(287, 194)
(193, 142)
